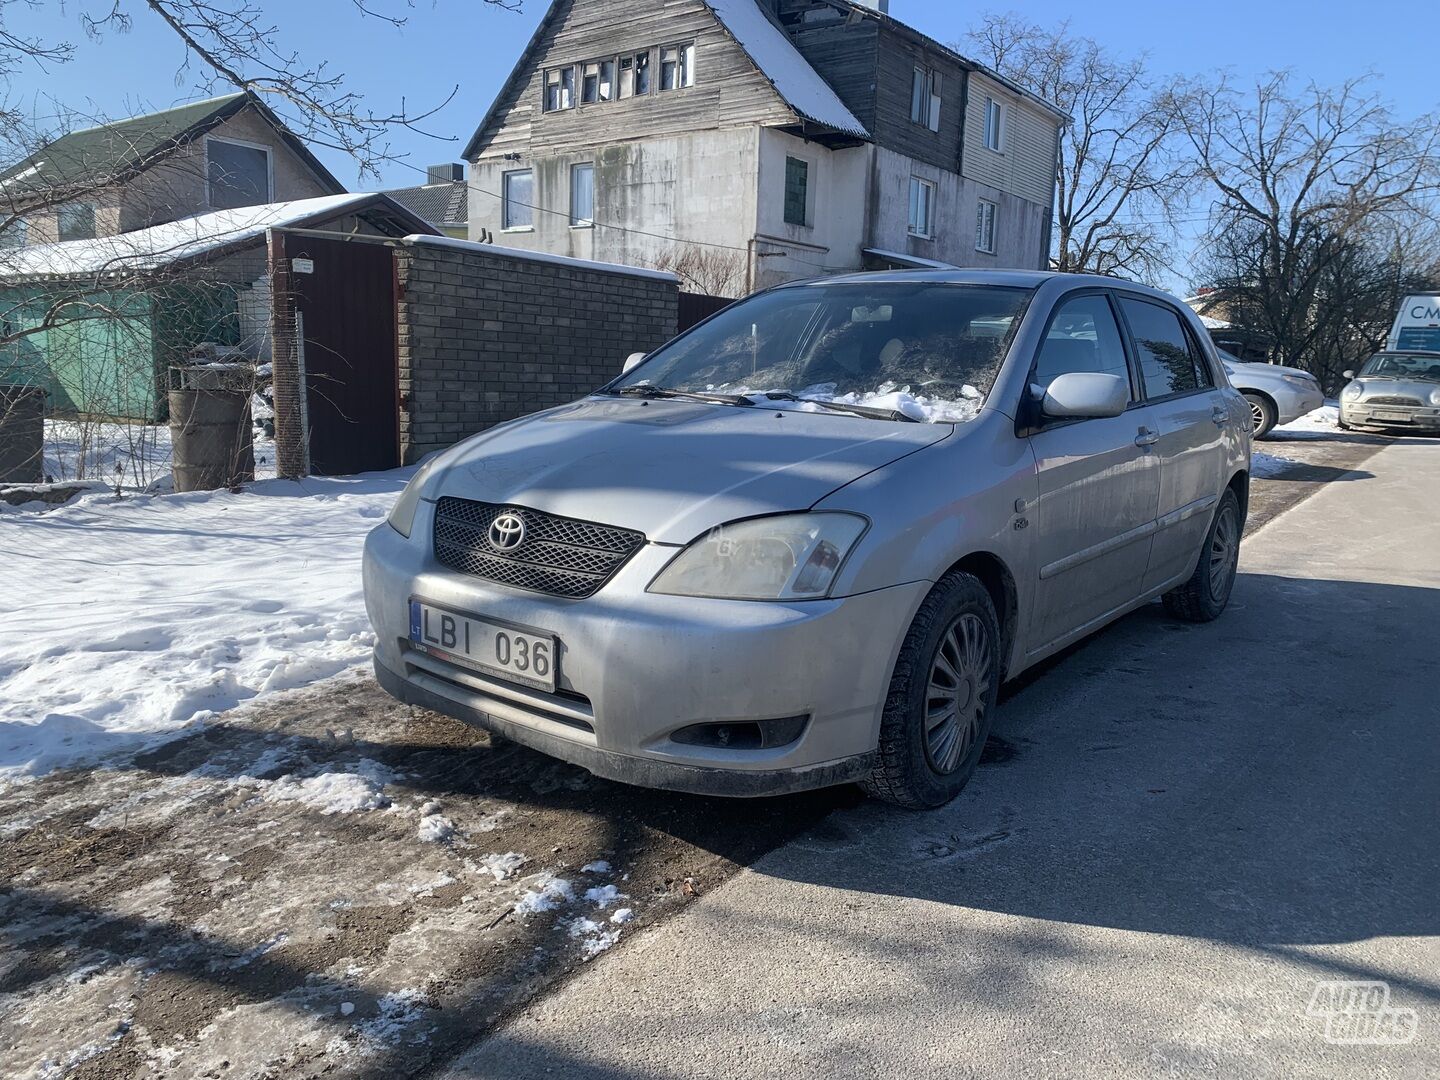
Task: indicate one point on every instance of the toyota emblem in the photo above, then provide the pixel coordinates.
(507, 532)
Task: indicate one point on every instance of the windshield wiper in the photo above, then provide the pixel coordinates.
(714, 397)
(840, 406)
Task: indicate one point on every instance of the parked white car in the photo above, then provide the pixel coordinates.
(1276, 394)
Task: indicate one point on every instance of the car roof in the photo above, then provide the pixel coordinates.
(1017, 279)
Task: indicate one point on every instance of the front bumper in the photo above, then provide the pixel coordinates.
(1295, 401)
(1390, 417)
(635, 667)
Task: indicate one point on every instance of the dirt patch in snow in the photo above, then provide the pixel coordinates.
(182, 912)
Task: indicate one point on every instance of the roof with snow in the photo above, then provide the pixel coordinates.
(204, 236)
(909, 261)
(107, 153)
(771, 51)
(540, 256)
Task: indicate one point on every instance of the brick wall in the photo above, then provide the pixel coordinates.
(487, 335)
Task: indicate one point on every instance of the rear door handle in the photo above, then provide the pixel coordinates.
(1147, 437)
(1220, 416)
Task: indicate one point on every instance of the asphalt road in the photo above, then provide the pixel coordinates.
(1198, 827)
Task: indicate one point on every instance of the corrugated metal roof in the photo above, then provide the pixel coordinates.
(442, 205)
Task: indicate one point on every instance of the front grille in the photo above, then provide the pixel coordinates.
(1392, 399)
(559, 555)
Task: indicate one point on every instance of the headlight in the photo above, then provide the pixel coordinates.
(1299, 380)
(402, 514)
(1354, 392)
(1435, 397)
(786, 557)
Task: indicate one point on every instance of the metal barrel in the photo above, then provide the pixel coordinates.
(212, 444)
(22, 434)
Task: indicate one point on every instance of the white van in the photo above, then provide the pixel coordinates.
(1417, 326)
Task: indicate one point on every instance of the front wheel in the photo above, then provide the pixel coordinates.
(1205, 595)
(941, 701)
(1262, 415)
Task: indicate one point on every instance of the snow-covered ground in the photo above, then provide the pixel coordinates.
(1314, 425)
(133, 618)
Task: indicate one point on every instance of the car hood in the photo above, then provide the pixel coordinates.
(671, 469)
(1261, 370)
(1387, 386)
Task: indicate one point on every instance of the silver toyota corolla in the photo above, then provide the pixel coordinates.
(1397, 391)
(805, 542)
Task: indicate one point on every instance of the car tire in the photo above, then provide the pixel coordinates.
(1262, 413)
(950, 657)
(1204, 596)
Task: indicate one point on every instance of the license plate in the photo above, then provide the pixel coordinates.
(520, 655)
(1389, 414)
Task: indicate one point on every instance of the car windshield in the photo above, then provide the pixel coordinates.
(902, 350)
(1400, 366)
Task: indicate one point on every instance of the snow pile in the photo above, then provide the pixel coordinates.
(599, 866)
(340, 792)
(1313, 425)
(436, 828)
(499, 867)
(1263, 465)
(395, 1014)
(888, 395)
(130, 619)
(549, 893)
(593, 937)
(602, 896)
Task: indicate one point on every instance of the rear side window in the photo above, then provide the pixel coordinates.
(1083, 336)
(1169, 362)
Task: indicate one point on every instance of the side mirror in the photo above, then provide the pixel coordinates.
(1080, 394)
(633, 359)
(1347, 374)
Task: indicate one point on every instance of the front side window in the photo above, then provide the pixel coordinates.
(994, 121)
(239, 175)
(928, 351)
(77, 221)
(985, 226)
(1083, 336)
(797, 184)
(922, 207)
(517, 209)
(582, 195)
(559, 89)
(1169, 363)
(677, 66)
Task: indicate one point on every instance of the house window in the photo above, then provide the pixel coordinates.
(925, 98)
(559, 89)
(797, 190)
(677, 66)
(994, 123)
(582, 195)
(239, 173)
(590, 83)
(14, 236)
(517, 209)
(985, 227)
(77, 221)
(922, 207)
(642, 73)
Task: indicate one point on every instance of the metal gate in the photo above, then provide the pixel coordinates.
(695, 307)
(341, 295)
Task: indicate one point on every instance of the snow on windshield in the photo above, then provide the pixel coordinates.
(888, 395)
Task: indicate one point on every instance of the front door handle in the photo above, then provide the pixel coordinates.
(1147, 437)
(1220, 416)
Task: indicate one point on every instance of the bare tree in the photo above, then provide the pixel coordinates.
(1312, 186)
(710, 270)
(1119, 176)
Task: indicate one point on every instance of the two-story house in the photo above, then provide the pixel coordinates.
(762, 140)
(218, 154)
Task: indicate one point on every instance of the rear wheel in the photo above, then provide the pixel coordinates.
(1262, 415)
(1205, 595)
(942, 696)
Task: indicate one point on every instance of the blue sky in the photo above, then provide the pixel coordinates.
(465, 43)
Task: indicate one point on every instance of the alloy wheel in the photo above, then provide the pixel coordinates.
(1257, 415)
(1224, 551)
(956, 697)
